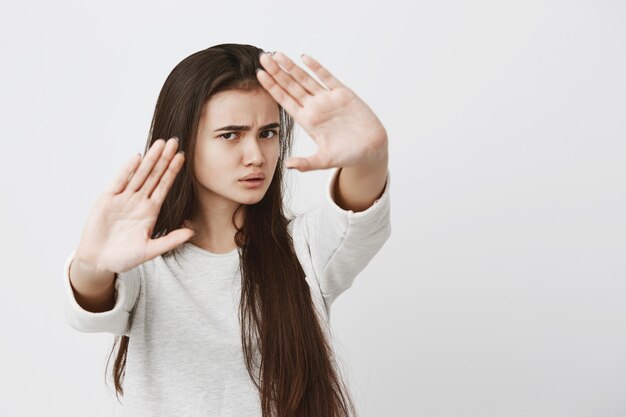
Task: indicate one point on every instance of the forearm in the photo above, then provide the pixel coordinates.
(94, 290)
(357, 187)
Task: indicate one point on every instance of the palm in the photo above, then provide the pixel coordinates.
(119, 229)
(345, 129)
(118, 233)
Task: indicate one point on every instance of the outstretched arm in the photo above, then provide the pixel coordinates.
(348, 133)
(357, 187)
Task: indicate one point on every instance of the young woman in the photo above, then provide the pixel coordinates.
(221, 302)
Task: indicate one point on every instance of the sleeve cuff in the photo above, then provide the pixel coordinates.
(113, 321)
(355, 217)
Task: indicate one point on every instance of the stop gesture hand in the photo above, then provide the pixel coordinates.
(345, 129)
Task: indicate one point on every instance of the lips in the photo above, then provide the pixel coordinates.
(254, 176)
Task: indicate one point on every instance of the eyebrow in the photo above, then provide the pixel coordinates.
(245, 127)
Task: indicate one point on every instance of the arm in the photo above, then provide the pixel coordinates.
(341, 242)
(94, 290)
(360, 185)
(113, 319)
(347, 231)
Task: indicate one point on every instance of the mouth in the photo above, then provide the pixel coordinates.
(254, 176)
(254, 182)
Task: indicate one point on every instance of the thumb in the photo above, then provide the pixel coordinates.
(306, 163)
(168, 242)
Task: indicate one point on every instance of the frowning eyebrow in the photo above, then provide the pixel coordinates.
(239, 128)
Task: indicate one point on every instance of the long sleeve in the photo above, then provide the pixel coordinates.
(342, 242)
(115, 321)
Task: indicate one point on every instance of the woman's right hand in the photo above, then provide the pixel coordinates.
(118, 233)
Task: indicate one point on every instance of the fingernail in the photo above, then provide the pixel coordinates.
(176, 137)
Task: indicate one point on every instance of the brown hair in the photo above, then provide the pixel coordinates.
(297, 373)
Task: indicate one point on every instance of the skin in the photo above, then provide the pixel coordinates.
(348, 134)
(222, 158)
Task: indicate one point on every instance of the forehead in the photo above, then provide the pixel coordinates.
(240, 107)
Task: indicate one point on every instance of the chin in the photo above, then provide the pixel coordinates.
(252, 199)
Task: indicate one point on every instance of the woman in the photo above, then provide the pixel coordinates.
(221, 302)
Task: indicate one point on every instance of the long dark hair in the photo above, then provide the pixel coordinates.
(297, 374)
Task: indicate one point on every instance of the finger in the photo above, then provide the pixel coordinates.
(300, 75)
(168, 242)
(155, 175)
(121, 180)
(321, 72)
(286, 81)
(166, 181)
(147, 163)
(308, 163)
(285, 100)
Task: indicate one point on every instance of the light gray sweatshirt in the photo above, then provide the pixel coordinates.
(184, 355)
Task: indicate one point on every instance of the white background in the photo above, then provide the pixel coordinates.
(501, 291)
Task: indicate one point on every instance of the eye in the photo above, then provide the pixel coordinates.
(229, 133)
(274, 133)
(271, 131)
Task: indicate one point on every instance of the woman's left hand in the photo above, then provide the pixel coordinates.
(346, 130)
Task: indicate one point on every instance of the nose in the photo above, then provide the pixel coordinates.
(252, 153)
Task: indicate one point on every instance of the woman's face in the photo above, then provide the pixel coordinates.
(234, 140)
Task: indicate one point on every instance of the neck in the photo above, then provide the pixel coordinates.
(213, 226)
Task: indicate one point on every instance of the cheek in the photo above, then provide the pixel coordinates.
(273, 152)
(212, 166)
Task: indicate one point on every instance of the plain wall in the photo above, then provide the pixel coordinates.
(501, 291)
